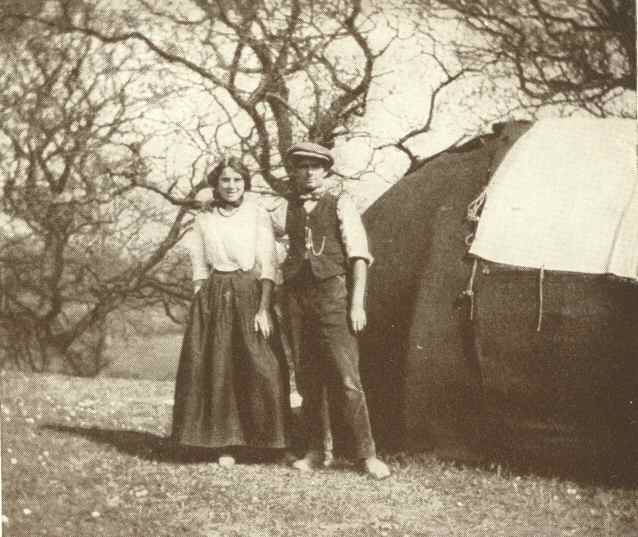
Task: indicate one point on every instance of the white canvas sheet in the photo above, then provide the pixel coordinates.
(565, 198)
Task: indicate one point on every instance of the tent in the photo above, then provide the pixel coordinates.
(488, 330)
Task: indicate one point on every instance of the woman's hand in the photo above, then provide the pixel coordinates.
(358, 318)
(263, 322)
(197, 285)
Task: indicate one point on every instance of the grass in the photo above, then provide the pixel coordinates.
(91, 458)
(144, 346)
(154, 356)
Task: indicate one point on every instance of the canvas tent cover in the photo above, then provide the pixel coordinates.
(565, 198)
(468, 375)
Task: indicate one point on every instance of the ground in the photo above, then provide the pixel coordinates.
(90, 457)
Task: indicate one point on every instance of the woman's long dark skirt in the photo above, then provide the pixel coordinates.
(230, 385)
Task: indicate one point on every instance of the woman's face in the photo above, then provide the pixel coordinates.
(230, 186)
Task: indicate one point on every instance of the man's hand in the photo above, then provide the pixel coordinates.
(263, 322)
(358, 318)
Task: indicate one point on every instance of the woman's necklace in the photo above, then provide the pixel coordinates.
(228, 212)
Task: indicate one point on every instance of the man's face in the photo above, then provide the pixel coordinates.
(309, 173)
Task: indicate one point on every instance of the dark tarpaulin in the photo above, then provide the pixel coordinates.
(567, 390)
(436, 378)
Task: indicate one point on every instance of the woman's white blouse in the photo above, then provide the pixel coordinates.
(243, 241)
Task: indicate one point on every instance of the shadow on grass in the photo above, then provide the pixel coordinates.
(163, 449)
(620, 472)
(156, 448)
(615, 473)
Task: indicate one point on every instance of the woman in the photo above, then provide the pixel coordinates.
(230, 389)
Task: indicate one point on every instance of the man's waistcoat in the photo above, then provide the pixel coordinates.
(326, 253)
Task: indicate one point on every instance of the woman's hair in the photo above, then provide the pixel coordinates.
(228, 162)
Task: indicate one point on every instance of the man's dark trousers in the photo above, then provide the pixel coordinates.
(330, 357)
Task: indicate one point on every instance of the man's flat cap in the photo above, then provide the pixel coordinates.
(310, 150)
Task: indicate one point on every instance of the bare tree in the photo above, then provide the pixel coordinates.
(580, 53)
(279, 70)
(444, 72)
(80, 186)
(72, 186)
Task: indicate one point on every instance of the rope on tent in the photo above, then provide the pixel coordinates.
(541, 278)
(473, 210)
(473, 215)
(475, 205)
(469, 290)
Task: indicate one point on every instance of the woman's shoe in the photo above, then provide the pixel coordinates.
(312, 460)
(226, 461)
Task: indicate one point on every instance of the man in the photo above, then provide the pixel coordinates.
(328, 257)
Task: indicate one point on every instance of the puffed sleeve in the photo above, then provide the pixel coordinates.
(199, 263)
(353, 233)
(265, 247)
